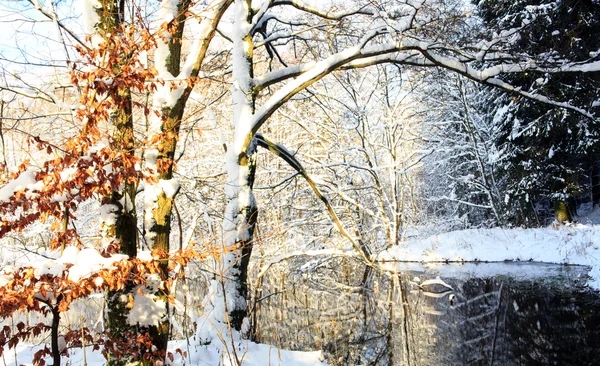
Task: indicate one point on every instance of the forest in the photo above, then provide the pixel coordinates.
(298, 182)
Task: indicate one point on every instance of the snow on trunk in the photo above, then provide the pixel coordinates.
(169, 102)
(160, 189)
(91, 18)
(225, 304)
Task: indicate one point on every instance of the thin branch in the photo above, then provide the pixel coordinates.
(289, 158)
(58, 22)
(300, 5)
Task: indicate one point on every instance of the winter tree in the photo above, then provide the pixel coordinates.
(550, 154)
(269, 52)
(414, 33)
(463, 179)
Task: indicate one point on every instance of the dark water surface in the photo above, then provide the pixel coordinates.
(485, 314)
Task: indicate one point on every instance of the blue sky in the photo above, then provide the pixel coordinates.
(26, 36)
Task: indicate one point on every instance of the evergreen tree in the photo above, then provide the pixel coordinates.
(548, 153)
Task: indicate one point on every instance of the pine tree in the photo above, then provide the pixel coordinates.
(547, 152)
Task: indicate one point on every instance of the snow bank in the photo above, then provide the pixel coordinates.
(251, 354)
(577, 244)
(521, 271)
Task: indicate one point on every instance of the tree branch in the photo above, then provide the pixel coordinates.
(289, 158)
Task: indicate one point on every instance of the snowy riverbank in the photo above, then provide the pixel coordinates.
(575, 244)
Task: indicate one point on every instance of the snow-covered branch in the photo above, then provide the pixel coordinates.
(205, 32)
(326, 14)
(488, 77)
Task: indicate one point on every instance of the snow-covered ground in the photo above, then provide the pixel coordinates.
(574, 244)
(518, 252)
(577, 244)
(251, 354)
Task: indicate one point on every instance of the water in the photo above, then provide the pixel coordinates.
(486, 314)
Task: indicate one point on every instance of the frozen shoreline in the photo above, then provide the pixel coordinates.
(575, 244)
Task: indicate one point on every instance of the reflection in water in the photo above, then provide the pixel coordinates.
(518, 314)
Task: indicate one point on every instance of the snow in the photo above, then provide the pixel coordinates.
(575, 244)
(262, 354)
(166, 96)
(89, 14)
(49, 267)
(83, 262)
(145, 255)
(250, 354)
(86, 261)
(464, 271)
(90, 19)
(436, 281)
(239, 196)
(169, 186)
(26, 180)
(221, 297)
(147, 309)
(593, 66)
(23, 354)
(108, 214)
(126, 202)
(168, 11)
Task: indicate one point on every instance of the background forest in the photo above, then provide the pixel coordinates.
(161, 159)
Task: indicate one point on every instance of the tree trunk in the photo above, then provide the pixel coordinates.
(121, 203)
(54, 336)
(595, 181)
(562, 213)
(226, 302)
(125, 232)
(160, 159)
